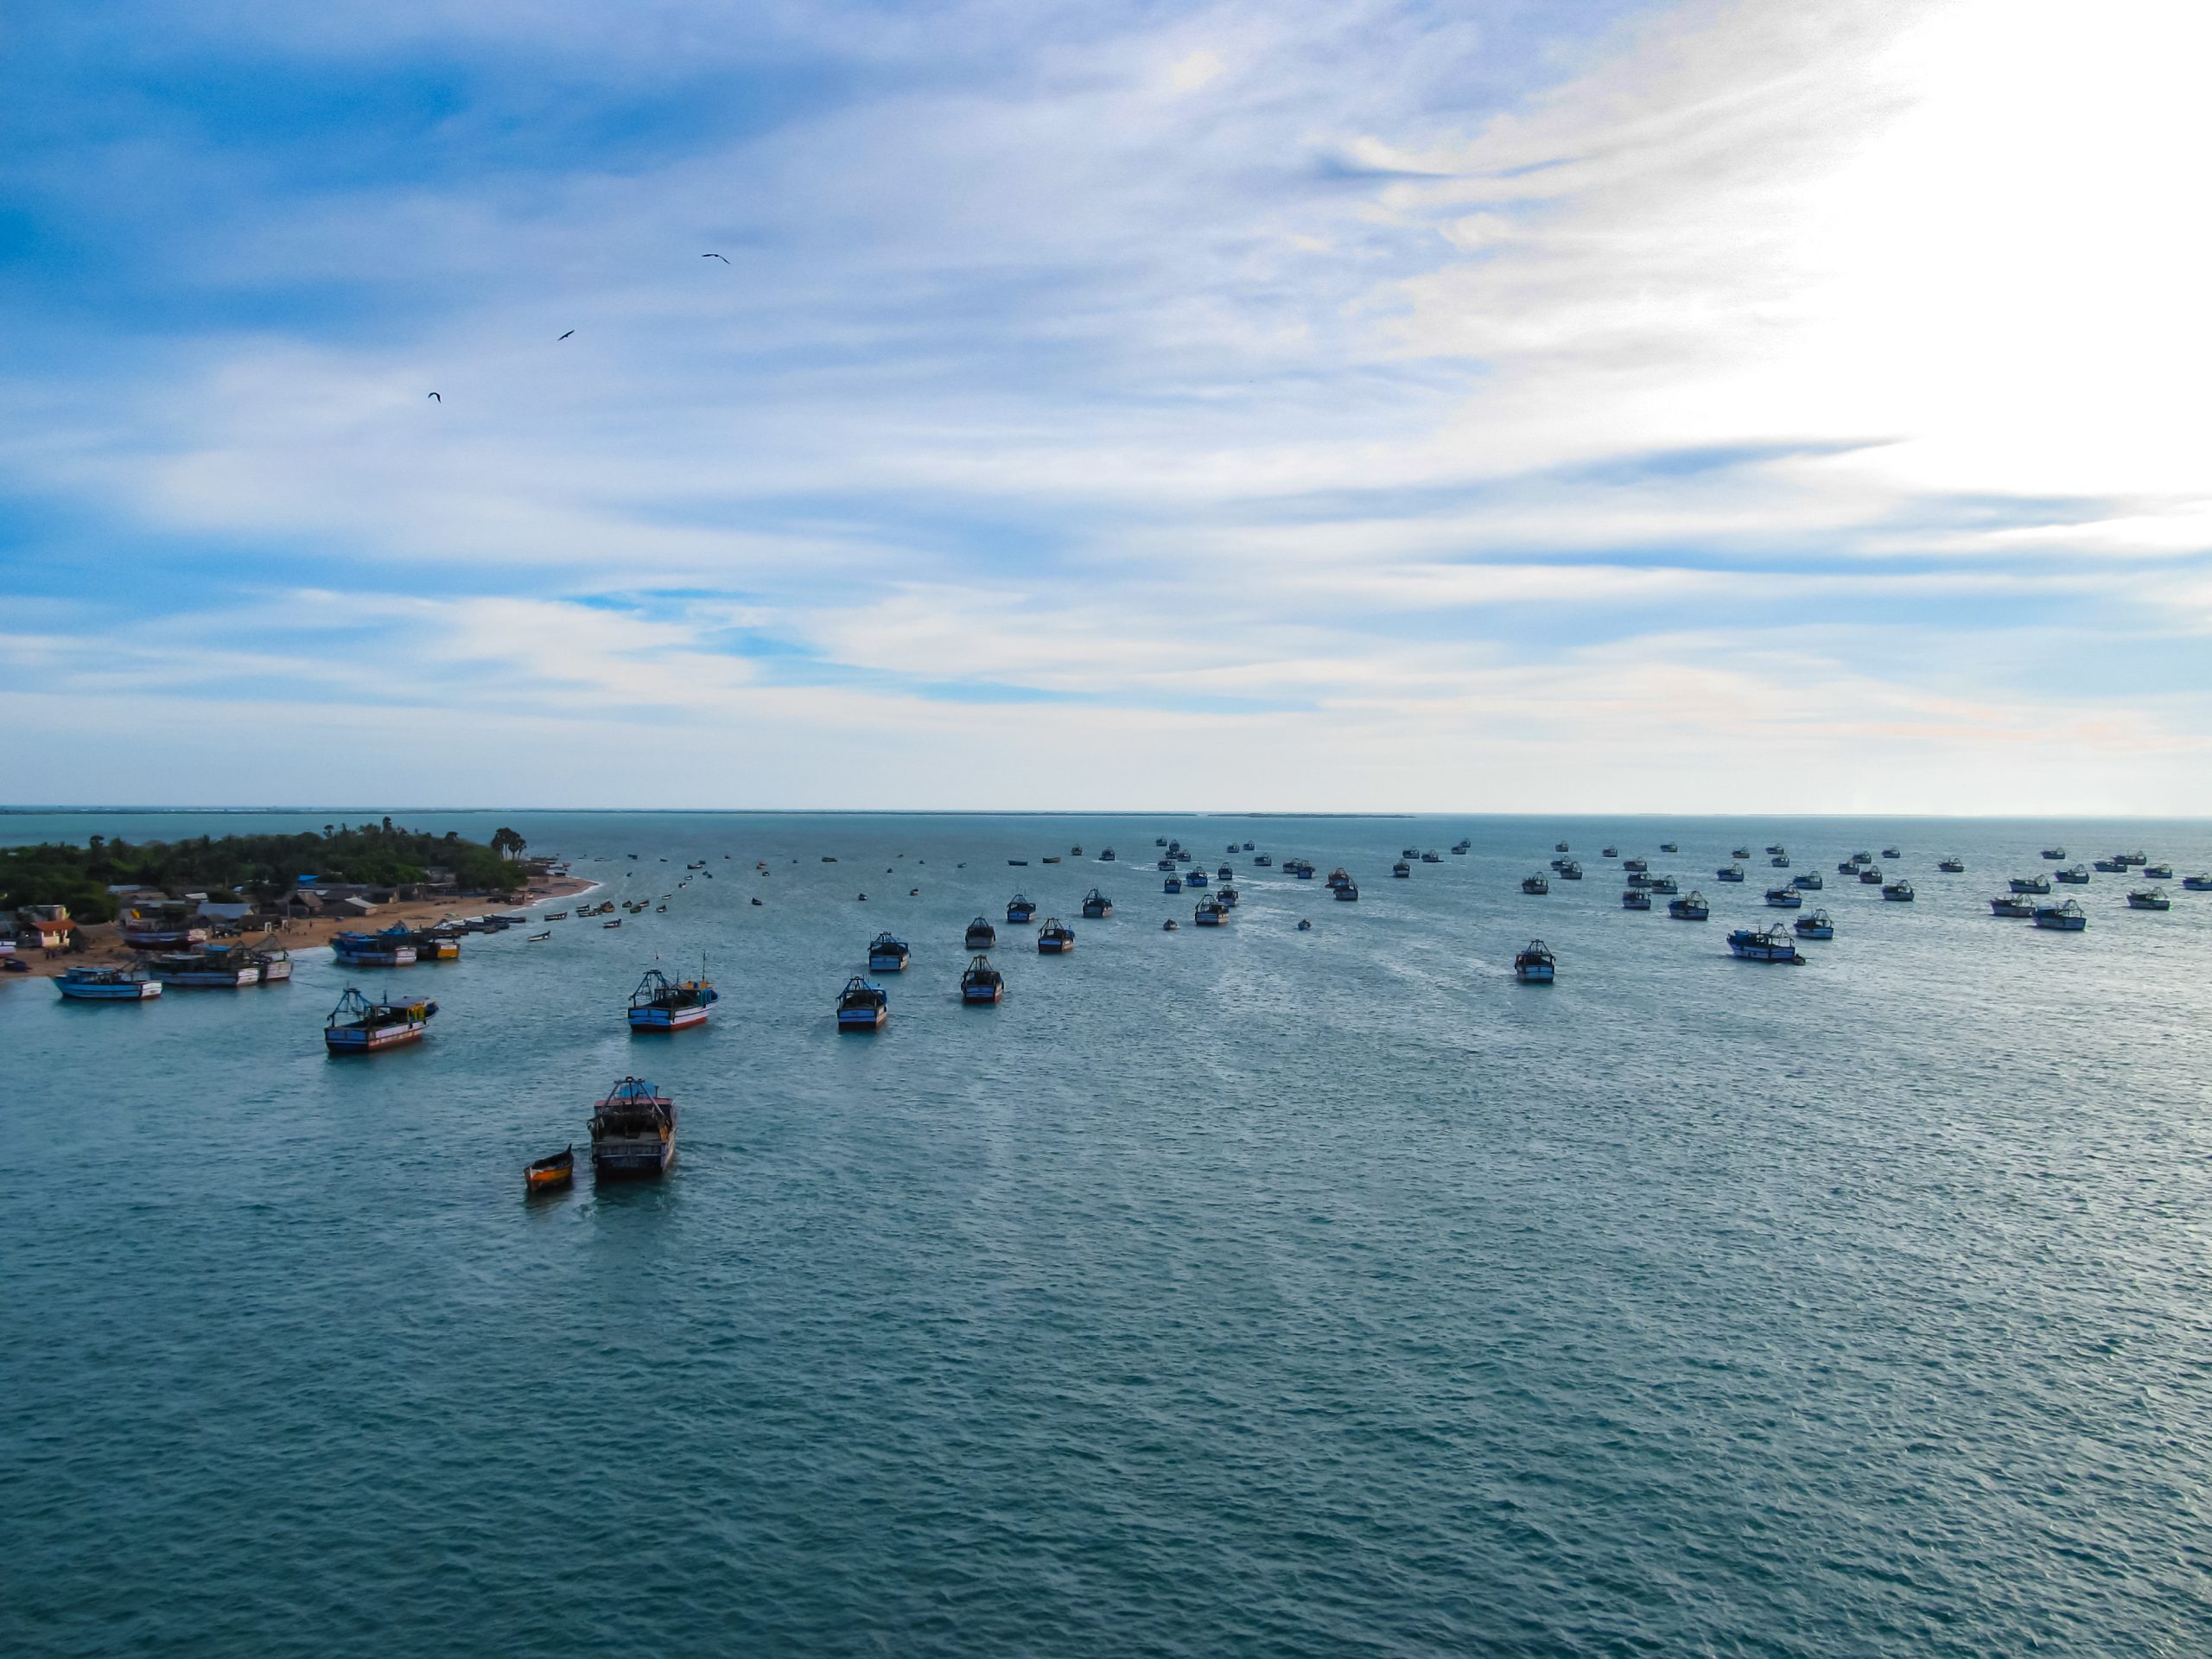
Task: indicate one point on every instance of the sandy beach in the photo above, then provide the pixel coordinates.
(104, 948)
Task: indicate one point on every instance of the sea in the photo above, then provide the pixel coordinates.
(1222, 1291)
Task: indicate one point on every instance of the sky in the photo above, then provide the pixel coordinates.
(1506, 405)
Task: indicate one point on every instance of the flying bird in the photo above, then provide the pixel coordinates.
(436, 395)
(713, 256)
(564, 336)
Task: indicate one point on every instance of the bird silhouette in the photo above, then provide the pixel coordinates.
(436, 395)
(564, 336)
(713, 256)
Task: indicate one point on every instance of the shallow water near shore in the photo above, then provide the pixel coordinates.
(1220, 1292)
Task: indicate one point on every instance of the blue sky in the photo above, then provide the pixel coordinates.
(1506, 406)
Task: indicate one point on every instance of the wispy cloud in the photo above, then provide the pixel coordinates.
(1606, 405)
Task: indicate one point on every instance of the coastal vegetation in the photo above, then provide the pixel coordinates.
(261, 867)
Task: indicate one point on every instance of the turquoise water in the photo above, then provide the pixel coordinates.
(1247, 1293)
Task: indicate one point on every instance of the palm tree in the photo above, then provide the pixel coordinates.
(506, 843)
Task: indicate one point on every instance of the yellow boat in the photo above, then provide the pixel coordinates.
(548, 1175)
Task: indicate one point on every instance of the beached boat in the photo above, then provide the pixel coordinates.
(1764, 944)
(1729, 873)
(1899, 892)
(1019, 909)
(1211, 912)
(82, 984)
(887, 954)
(662, 1004)
(1817, 925)
(1635, 899)
(1535, 884)
(375, 950)
(981, 936)
(633, 1130)
(1096, 906)
(1533, 963)
(2149, 898)
(2012, 905)
(861, 1006)
(1055, 938)
(1784, 898)
(356, 1025)
(2063, 918)
(218, 966)
(981, 982)
(1691, 908)
(551, 1174)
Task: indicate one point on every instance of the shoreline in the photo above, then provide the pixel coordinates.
(104, 948)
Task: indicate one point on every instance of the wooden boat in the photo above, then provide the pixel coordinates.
(550, 1174)
(107, 985)
(1534, 965)
(633, 1130)
(358, 1026)
(662, 1004)
(981, 983)
(861, 1007)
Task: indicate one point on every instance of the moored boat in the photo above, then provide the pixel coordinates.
(1891, 852)
(2038, 883)
(2012, 905)
(2149, 898)
(1559, 846)
(221, 967)
(1869, 875)
(375, 950)
(1211, 912)
(1899, 892)
(1106, 856)
(1055, 938)
(1784, 898)
(1764, 944)
(1402, 870)
(1807, 881)
(551, 1174)
(1261, 861)
(1668, 847)
(1816, 925)
(1196, 878)
(1096, 906)
(981, 982)
(2063, 918)
(2157, 872)
(1729, 873)
(1339, 876)
(1690, 908)
(1570, 871)
(2055, 853)
(633, 1130)
(356, 1025)
(2075, 875)
(2197, 883)
(1951, 864)
(887, 954)
(1173, 884)
(981, 936)
(82, 984)
(1635, 899)
(1535, 884)
(1663, 883)
(861, 1006)
(1348, 894)
(1019, 909)
(1533, 964)
(2112, 867)
(1609, 852)
(1635, 864)
(662, 1004)
(1780, 862)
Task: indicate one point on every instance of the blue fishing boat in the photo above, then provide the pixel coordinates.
(1951, 864)
(1784, 898)
(1869, 875)
(1533, 964)
(1211, 912)
(2012, 905)
(2197, 884)
(1764, 944)
(1096, 906)
(1173, 884)
(1402, 870)
(2031, 884)
(2076, 875)
(2055, 853)
(662, 1004)
(1339, 877)
(1535, 884)
(1663, 883)
(861, 1007)
(1899, 892)
(1226, 896)
(356, 1025)
(2063, 918)
(981, 983)
(1261, 861)
(1019, 909)
(1806, 881)
(393, 948)
(1195, 879)
(1729, 873)
(981, 936)
(1572, 871)
(1055, 938)
(1348, 892)
(1635, 899)
(82, 984)
(633, 1130)
(1818, 926)
(2149, 898)
(1690, 908)
(1635, 864)
(887, 955)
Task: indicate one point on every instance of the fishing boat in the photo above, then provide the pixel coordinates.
(1226, 898)
(1465, 847)
(1668, 847)
(1055, 938)
(1533, 963)
(1609, 852)
(1054, 859)
(82, 984)
(1402, 870)
(1247, 845)
(1952, 864)
(1818, 926)
(1763, 944)
(1305, 926)
(1899, 892)
(274, 963)
(1780, 862)
(1635, 899)
(555, 916)
(1096, 906)
(1019, 863)
(1075, 852)
(2197, 883)
(551, 1174)
(1211, 912)
(1173, 884)
(358, 1026)
(2055, 853)
(981, 982)
(887, 955)
(2012, 905)
(1849, 867)
(1535, 884)
(1663, 883)
(1195, 879)
(2031, 884)
(169, 928)
(218, 966)
(374, 949)
(540, 938)
(432, 945)
(1019, 909)
(1807, 881)
(2131, 858)
(1638, 863)
(1166, 864)
(1784, 898)
(1739, 852)
(1160, 841)
(1729, 873)
(1869, 875)
(1339, 877)
(1225, 873)
(1432, 856)
(1107, 857)
(1891, 852)
(2065, 918)
(633, 1130)
(2157, 872)
(1302, 870)
(2112, 867)
(1559, 846)
(613, 922)
(1570, 871)
(662, 1004)
(1779, 850)
(2149, 898)
(1261, 861)
(861, 1006)
(1348, 894)
(981, 935)
(1690, 908)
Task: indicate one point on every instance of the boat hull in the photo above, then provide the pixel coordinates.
(404, 956)
(626, 1156)
(1533, 975)
(364, 1039)
(666, 1018)
(1054, 947)
(861, 1019)
(981, 995)
(886, 965)
(227, 979)
(143, 993)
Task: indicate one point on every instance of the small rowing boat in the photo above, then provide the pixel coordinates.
(549, 1174)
